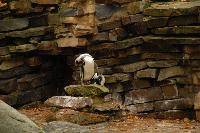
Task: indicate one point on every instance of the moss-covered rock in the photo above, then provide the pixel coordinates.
(86, 90)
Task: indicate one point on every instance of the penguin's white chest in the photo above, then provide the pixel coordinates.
(88, 68)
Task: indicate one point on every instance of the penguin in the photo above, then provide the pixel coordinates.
(98, 79)
(87, 66)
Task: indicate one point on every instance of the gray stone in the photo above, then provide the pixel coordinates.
(170, 91)
(156, 22)
(38, 31)
(22, 48)
(171, 40)
(132, 19)
(86, 90)
(12, 121)
(177, 30)
(69, 102)
(105, 11)
(117, 77)
(161, 56)
(141, 84)
(172, 9)
(139, 108)
(162, 64)
(109, 25)
(71, 12)
(65, 127)
(13, 24)
(133, 67)
(31, 81)
(147, 73)
(106, 106)
(176, 104)
(8, 86)
(170, 72)
(143, 95)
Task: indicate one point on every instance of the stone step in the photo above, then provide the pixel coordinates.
(69, 102)
(86, 90)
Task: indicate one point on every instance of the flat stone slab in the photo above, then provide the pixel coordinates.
(171, 40)
(69, 102)
(86, 90)
(177, 30)
(172, 8)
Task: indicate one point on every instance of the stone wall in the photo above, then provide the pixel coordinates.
(149, 55)
(148, 52)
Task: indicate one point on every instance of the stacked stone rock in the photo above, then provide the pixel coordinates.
(28, 72)
(148, 54)
(149, 58)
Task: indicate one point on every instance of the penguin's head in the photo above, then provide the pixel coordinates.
(80, 59)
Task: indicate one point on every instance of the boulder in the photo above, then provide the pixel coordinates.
(69, 102)
(12, 121)
(86, 90)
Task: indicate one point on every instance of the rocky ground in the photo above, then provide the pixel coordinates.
(48, 118)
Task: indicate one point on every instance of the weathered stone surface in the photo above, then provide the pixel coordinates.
(12, 121)
(47, 45)
(177, 30)
(22, 48)
(106, 106)
(86, 90)
(65, 127)
(161, 56)
(82, 118)
(10, 64)
(129, 51)
(171, 40)
(132, 19)
(105, 11)
(108, 62)
(20, 98)
(170, 91)
(172, 9)
(139, 108)
(170, 72)
(83, 30)
(7, 86)
(109, 25)
(173, 104)
(141, 84)
(133, 67)
(13, 24)
(183, 20)
(37, 21)
(147, 73)
(18, 7)
(70, 12)
(69, 102)
(31, 81)
(162, 64)
(196, 101)
(143, 95)
(49, 2)
(117, 77)
(134, 7)
(38, 31)
(156, 22)
(100, 37)
(71, 42)
(128, 43)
